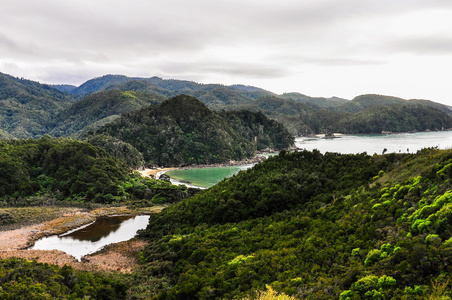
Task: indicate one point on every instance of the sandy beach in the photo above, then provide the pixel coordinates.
(154, 172)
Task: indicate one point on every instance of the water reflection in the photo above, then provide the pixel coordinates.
(97, 230)
(93, 237)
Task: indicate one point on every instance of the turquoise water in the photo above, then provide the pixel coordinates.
(203, 177)
(346, 144)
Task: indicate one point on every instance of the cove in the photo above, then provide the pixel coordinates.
(345, 144)
(204, 177)
(93, 237)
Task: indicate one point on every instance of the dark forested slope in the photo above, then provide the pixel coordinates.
(66, 169)
(183, 131)
(315, 226)
(26, 106)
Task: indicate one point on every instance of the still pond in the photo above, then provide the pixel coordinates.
(93, 237)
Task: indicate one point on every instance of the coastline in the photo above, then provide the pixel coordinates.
(249, 162)
(157, 172)
(383, 132)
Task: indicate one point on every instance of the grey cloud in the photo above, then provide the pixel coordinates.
(422, 45)
(191, 39)
(248, 70)
(204, 69)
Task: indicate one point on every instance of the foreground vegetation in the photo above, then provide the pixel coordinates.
(313, 226)
(304, 225)
(21, 279)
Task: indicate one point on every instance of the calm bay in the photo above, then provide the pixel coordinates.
(346, 144)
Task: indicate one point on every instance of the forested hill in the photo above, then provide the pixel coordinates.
(363, 102)
(183, 131)
(395, 118)
(312, 225)
(97, 109)
(46, 170)
(213, 95)
(365, 114)
(26, 106)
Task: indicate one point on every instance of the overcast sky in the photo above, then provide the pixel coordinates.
(323, 48)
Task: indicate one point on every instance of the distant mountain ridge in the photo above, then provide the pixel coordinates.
(213, 95)
(370, 100)
(31, 109)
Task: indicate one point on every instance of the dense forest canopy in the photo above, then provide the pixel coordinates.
(26, 106)
(312, 225)
(370, 114)
(71, 170)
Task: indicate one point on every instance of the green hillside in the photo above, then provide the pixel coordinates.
(314, 226)
(30, 109)
(98, 84)
(213, 95)
(51, 169)
(306, 224)
(97, 109)
(365, 114)
(26, 106)
(365, 101)
(316, 101)
(183, 131)
(394, 118)
(298, 118)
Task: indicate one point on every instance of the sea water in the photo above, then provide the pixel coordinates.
(346, 144)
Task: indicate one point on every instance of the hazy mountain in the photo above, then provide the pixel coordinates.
(66, 88)
(31, 109)
(394, 118)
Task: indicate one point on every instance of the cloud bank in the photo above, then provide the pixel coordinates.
(317, 47)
